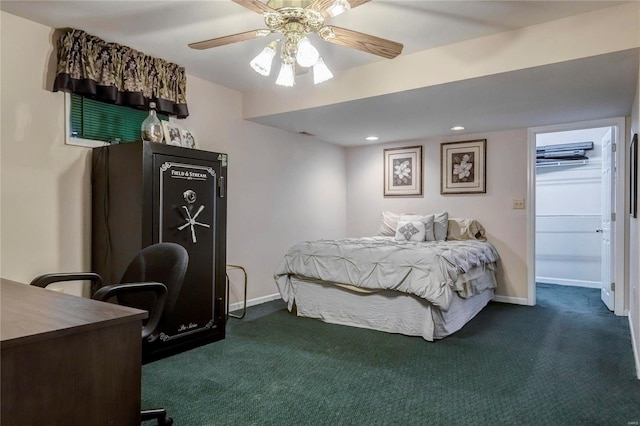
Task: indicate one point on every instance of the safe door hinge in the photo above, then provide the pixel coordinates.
(613, 217)
(613, 286)
(221, 187)
(614, 147)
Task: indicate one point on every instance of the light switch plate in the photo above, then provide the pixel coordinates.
(518, 204)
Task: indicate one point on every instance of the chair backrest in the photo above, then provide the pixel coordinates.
(165, 263)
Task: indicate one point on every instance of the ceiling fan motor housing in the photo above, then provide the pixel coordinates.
(308, 20)
(279, 4)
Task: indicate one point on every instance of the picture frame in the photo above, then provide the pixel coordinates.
(172, 133)
(633, 177)
(463, 167)
(402, 171)
(188, 140)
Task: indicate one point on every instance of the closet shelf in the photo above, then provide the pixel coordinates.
(563, 163)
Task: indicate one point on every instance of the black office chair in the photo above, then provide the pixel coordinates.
(152, 282)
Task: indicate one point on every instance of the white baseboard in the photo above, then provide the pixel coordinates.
(509, 299)
(634, 346)
(276, 296)
(254, 302)
(563, 281)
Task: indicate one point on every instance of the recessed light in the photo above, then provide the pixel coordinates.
(372, 138)
(457, 128)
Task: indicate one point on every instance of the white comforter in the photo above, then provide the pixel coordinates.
(429, 270)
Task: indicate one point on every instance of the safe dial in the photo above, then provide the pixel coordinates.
(189, 196)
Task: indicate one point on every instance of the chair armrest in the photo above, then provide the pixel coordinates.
(46, 279)
(107, 292)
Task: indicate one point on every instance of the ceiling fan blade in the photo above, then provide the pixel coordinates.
(322, 6)
(254, 5)
(365, 42)
(221, 41)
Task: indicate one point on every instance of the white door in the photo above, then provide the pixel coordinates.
(608, 181)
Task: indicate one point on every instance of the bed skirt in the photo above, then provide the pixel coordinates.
(387, 310)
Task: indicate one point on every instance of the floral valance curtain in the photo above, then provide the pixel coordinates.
(109, 72)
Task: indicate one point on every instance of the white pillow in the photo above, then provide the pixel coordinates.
(428, 224)
(389, 224)
(440, 226)
(410, 231)
(465, 229)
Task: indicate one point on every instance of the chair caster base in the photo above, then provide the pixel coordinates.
(159, 414)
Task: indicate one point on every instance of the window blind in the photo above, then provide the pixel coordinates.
(106, 122)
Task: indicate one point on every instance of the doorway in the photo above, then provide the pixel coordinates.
(574, 238)
(570, 204)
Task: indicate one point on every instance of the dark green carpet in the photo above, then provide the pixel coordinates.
(574, 299)
(555, 363)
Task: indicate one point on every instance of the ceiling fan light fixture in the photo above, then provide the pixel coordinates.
(338, 7)
(262, 63)
(287, 75)
(307, 54)
(295, 20)
(321, 72)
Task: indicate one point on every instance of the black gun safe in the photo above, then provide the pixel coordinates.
(145, 193)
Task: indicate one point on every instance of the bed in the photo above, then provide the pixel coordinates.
(417, 287)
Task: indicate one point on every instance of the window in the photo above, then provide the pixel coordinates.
(92, 123)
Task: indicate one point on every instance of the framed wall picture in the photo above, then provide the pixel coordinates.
(172, 133)
(633, 176)
(463, 167)
(403, 171)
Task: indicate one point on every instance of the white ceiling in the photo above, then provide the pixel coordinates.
(571, 91)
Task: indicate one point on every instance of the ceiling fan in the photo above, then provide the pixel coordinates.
(295, 19)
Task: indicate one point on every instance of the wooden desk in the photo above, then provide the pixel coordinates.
(67, 360)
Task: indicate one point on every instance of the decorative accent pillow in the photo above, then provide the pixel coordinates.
(389, 224)
(465, 229)
(428, 224)
(410, 231)
(440, 226)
